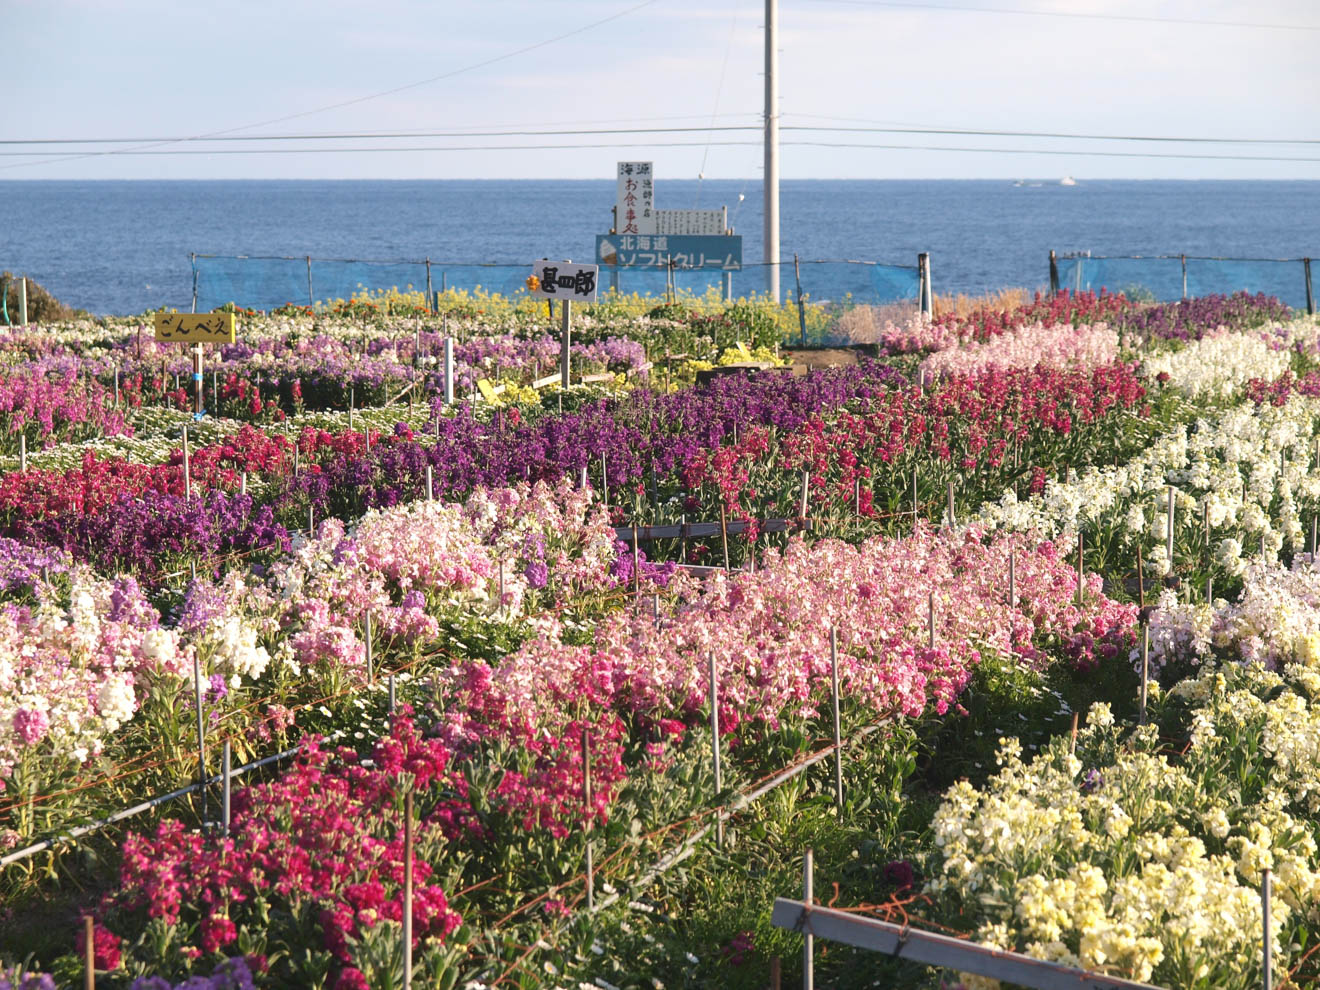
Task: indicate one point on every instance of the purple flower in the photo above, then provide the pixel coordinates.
(537, 574)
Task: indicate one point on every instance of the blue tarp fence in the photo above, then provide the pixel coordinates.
(266, 283)
(1168, 277)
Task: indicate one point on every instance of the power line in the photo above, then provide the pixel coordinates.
(1078, 153)
(912, 5)
(982, 132)
(693, 129)
(375, 96)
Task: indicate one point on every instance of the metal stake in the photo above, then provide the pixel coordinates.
(586, 815)
(371, 669)
(1267, 963)
(1145, 670)
(201, 732)
(715, 748)
(930, 619)
(834, 698)
(224, 789)
(808, 953)
(1012, 580)
(392, 694)
(407, 888)
(1169, 531)
(430, 484)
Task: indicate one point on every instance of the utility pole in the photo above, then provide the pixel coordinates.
(771, 172)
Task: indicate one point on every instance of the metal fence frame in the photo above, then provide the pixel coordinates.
(1055, 281)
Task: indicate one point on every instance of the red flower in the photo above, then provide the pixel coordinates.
(105, 947)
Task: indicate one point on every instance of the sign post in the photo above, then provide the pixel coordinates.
(196, 329)
(567, 282)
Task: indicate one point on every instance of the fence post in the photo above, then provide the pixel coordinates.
(923, 283)
(802, 311)
(194, 271)
(728, 287)
(1310, 297)
(22, 301)
(1054, 273)
(429, 296)
(22, 452)
(310, 300)
(1183, 258)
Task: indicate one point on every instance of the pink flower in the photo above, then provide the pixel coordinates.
(30, 724)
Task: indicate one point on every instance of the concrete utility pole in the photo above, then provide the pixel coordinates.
(771, 174)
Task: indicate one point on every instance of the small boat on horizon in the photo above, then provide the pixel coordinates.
(1067, 180)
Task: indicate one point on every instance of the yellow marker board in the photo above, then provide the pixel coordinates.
(195, 328)
(488, 391)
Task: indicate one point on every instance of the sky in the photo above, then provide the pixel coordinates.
(160, 69)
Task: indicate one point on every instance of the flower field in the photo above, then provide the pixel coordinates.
(467, 713)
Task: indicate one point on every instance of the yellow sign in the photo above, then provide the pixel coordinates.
(195, 328)
(488, 391)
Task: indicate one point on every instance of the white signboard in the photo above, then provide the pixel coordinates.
(700, 223)
(636, 199)
(563, 280)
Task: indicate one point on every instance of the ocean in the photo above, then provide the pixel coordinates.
(122, 247)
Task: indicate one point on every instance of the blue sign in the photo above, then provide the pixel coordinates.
(688, 252)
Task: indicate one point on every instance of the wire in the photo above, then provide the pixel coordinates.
(1079, 153)
(694, 129)
(912, 5)
(397, 89)
(715, 112)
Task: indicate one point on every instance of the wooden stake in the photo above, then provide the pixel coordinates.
(89, 953)
(1074, 734)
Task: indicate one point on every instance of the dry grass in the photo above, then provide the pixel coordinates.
(960, 305)
(866, 324)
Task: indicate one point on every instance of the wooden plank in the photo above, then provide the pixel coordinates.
(588, 379)
(194, 328)
(547, 380)
(941, 950)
